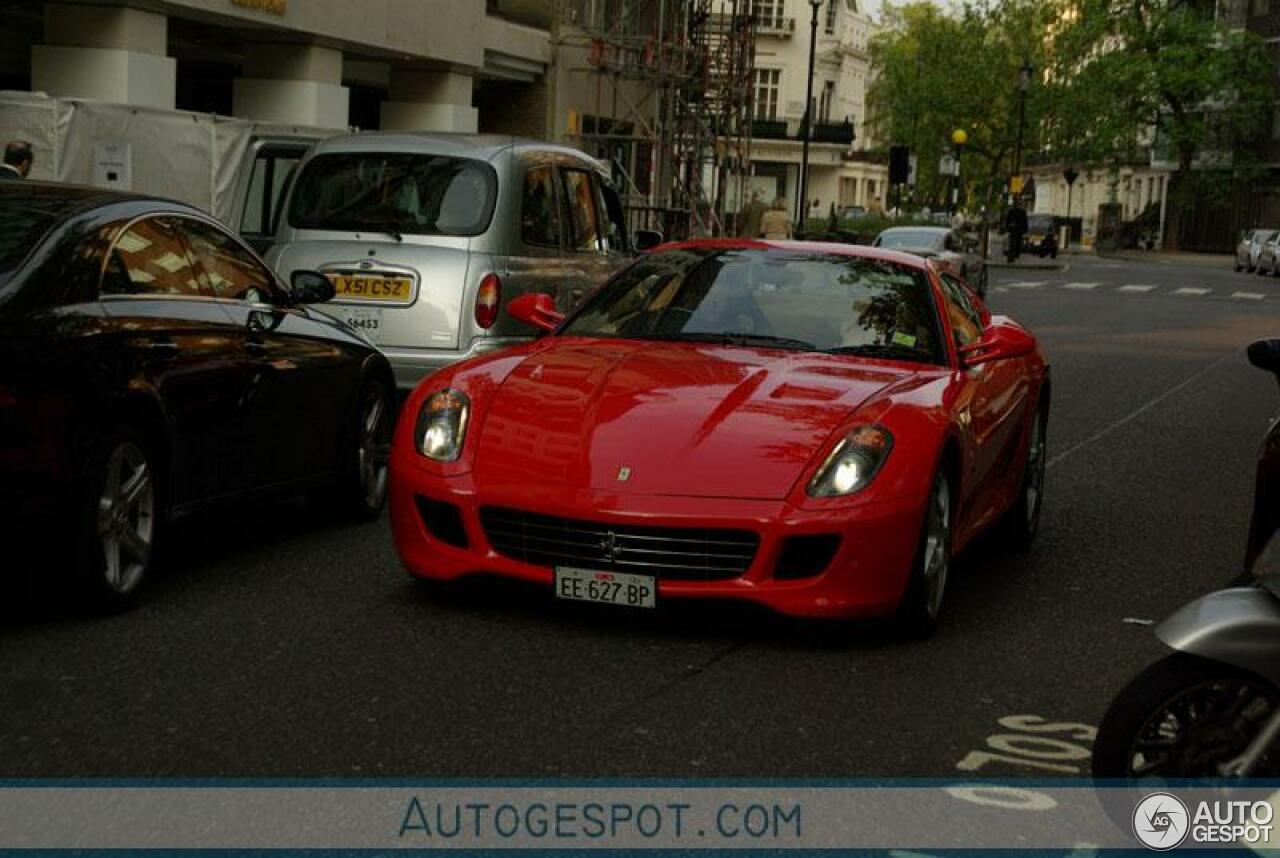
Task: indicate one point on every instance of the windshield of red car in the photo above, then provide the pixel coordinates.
(770, 298)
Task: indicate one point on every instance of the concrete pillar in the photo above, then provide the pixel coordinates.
(292, 84)
(429, 101)
(106, 53)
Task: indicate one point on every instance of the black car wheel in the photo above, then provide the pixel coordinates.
(121, 511)
(366, 459)
(921, 604)
(1023, 518)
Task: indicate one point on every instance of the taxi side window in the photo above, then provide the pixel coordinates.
(581, 200)
(150, 258)
(966, 321)
(539, 213)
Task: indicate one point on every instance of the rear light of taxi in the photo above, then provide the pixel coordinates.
(488, 301)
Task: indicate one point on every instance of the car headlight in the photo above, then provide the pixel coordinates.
(442, 425)
(853, 463)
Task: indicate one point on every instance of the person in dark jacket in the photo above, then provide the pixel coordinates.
(1015, 223)
(17, 160)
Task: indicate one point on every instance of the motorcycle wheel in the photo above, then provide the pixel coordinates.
(1183, 717)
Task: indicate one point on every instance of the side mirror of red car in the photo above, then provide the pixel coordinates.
(1001, 340)
(537, 309)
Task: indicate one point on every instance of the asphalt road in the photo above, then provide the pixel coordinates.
(276, 644)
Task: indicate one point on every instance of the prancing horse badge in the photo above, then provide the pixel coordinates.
(624, 474)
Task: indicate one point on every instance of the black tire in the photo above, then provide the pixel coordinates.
(1022, 520)
(1135, 711)
(119, 518)
(364, 471)
(921, 606)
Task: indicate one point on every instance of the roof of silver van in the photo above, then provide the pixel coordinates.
(483, 146)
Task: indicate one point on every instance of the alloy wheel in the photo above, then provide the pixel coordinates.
(126, 517)
(373, 450)
(937, 547)
(1035, 471)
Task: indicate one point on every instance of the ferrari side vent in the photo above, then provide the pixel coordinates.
(806, 556)
(442, 520)
(670, 553)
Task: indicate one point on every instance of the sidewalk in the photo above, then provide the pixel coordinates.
(1178, 257)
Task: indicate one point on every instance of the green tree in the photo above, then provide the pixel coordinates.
(936, 71)
(1130, 76)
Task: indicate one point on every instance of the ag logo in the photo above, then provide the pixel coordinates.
(1161, 821)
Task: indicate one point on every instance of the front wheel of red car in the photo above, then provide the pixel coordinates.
(1023, 518)
(921, 604)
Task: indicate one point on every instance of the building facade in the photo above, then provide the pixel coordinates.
(447, 65)
(839, 172)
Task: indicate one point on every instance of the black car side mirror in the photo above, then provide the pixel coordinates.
(1265, 354)
(647, 239)
(311, 287)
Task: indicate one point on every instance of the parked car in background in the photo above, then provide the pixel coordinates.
(427, 236)
(853, 212)
(951, 249)
(1042, 236)
(814, 428)
(1249, 248)
(1267, 257)
(152, 365)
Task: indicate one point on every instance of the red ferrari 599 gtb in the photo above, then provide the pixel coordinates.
(813, 427)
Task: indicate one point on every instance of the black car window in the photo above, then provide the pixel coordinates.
(539, 213)
(226, 268)
(615, 220)
(814, 301)
(966, 321)
(150, 258)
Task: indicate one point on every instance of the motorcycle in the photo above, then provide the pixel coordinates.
(1211, 709)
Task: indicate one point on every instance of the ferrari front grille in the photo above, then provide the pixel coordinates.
(671, 553)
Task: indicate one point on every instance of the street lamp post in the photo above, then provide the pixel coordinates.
(1070, 174)
(1024, 84)
(958, 138)
(806, 124)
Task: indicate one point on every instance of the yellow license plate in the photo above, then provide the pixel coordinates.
(372, 287)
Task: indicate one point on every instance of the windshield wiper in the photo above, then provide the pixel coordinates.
(734, 339)
(882, 350)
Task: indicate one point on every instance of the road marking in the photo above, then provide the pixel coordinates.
(1248, 296)
(1136, 287)
(1024, 284)
(1191, 290)
(1081, 285)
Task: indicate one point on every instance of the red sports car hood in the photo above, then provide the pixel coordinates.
(668, 418)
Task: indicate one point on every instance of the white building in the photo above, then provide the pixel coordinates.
(841, 78)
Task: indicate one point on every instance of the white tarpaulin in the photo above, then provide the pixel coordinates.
(197, 158)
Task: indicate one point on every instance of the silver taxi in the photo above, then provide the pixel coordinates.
(426, 237)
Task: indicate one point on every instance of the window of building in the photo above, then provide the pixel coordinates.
(830, 26)
(770, 13)
(539, 214)
(825, 99)
(768, 85)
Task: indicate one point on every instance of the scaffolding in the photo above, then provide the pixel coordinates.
(671, 98)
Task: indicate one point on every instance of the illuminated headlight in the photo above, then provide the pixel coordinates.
(442, 425)
(853, 463)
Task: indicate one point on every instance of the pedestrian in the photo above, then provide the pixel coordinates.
(775, 223)
(749, 217)
(1015, 223)
(17, 160)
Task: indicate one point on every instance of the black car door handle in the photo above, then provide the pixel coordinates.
(161, 348)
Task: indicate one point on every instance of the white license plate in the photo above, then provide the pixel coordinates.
(366, 320)
(606, 588)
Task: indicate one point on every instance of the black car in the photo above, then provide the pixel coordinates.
(150, 365)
